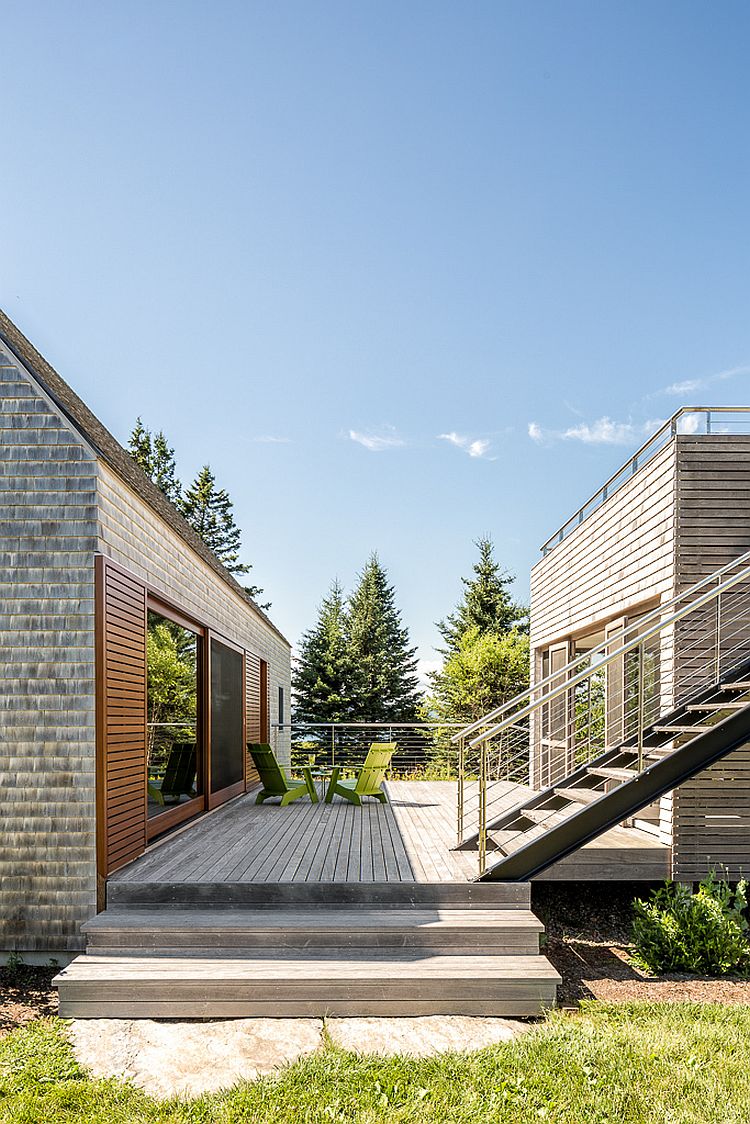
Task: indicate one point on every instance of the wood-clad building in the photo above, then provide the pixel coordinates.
(100, 574)
(675, 513)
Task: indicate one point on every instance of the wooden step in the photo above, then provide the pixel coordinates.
(546, 816)
(717, 706)
(613, 774)
(328, 895)
(230, 932)
(743, 685)
(682, 729)
(580, 795)
(388, 983)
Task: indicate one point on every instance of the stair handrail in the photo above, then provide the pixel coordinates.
(491, 715)
(641, 637)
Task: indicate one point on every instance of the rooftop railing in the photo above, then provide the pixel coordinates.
(701, 420)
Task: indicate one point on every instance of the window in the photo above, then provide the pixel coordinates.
(281, 706)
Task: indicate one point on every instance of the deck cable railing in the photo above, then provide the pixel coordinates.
(690, 420)
(605, 696)
(424, 750)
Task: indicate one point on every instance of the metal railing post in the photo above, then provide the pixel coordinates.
(483, 809)
(641, 686)
(460, 795)
(333, 745)
(717, 666)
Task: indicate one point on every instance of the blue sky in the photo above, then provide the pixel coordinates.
(349, 253)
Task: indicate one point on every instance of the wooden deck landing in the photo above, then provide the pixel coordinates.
(408, 840)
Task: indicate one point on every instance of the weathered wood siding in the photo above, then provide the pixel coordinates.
(711, 813)
(121, 752)
(48, 535)
(621, 556)
(135, 536)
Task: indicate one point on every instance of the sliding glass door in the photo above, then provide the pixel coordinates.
(227, 702)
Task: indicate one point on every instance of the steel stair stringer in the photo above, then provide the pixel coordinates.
(611, 808)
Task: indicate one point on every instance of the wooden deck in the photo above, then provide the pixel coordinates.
(406, 841)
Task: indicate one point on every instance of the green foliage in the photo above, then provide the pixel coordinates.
(677, 930)
(486, 604)
(484, 671)
(208, 509)
(172, 680)
(385, 687)
(322, 676)
(621, 1064)
(156, 457)
(356, 663)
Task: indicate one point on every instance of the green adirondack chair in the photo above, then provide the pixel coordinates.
(275, 781)
(368, 780)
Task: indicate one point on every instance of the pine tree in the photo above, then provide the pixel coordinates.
(487, 659)
(156, 457)
(322, 675)
(486, 604)
(384, 686)
(141, 447)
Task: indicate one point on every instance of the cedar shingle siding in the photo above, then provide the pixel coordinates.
(48, 535)
(70, 492)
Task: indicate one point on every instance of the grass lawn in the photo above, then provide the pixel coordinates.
(620, 1063)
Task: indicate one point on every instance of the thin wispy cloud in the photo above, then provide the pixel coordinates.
(603, 431)
(269, 439)
(690, 386)
(474, 446)
(377, 442)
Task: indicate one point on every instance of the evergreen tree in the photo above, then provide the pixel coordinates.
(322, 674)
(208, 510)
(156, 457)
(141, 447)
(384, 684)
(487, 604)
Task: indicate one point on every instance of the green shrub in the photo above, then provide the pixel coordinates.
(703, 932)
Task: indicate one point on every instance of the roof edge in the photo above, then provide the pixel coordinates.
(119, 460)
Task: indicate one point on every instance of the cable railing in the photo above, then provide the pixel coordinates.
(690, 420)
(424, 750)
(605, 697)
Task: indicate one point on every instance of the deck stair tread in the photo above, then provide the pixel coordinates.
(743, 685)
(267, 920)
(683, 729)
(545, 816)
(611, 773)
(717, 706)
(272, 967)
(579, 795)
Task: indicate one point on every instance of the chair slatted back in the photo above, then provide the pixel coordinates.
(179, 774)
(270, 772)
(372, 773)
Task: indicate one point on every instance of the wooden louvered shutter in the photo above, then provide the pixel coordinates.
(121, 717)
(253, 728)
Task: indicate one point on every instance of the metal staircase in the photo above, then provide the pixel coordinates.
(605, 736)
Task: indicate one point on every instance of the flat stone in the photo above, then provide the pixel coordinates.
(422, 1036)
(170, 1058)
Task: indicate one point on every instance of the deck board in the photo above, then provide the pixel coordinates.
(408, 840)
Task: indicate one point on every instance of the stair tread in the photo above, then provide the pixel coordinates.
(717, 706)
(580, 795)
(612, 773)
(340, 966)
(223, 920)
(682, 729)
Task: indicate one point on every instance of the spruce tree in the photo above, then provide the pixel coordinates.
(487, 604)
(156, 457)
(384, 684)
(208, 510)
(322, 676)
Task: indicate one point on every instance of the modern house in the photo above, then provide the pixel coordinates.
(640, 638)
(98, 568)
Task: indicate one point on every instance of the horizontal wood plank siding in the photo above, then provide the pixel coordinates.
(711, 813)
(121, 718)
(48, 531)
(622, 555)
